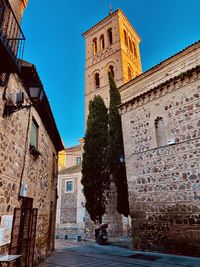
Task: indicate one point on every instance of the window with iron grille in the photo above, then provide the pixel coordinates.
(69, 186)
(78, 161)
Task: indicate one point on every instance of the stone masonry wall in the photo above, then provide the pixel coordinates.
(68, 203)
(37, 173)
(164, 182)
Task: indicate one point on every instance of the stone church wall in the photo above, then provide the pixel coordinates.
(164, 181)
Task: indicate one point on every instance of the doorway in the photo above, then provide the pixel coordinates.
(24, 232)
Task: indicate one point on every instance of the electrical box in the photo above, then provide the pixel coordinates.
(171, 141)
(23, 190)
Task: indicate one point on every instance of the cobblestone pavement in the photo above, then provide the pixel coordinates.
(79, 254)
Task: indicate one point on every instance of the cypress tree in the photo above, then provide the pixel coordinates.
(116, 149)
(95, 176)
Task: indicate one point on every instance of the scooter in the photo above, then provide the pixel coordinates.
(101, 234)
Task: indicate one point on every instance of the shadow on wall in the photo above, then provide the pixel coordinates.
(175, 230)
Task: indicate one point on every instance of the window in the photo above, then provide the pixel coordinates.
(134, 50)
(110, 38)
(130, 74)
(78, 161)
(102, 42)
(125, 38)
(34, 134)
(130, 45)
(97, 80)
(94, 46)
(69, 186)
(160, 132)
(111, 70)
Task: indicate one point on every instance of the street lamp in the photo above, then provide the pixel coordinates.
(36, 95)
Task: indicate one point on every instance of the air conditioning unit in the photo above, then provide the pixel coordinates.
(23, 190)
(171, 141)
(19, 98)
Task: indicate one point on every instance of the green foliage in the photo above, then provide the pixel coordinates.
(95, 176)
(116, 150)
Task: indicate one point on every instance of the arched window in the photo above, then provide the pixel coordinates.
(102, 42)
(96, 80)
(134, 50)
(110, 37)
(94, 46)
(130, 45)
(125, 38)
(130, 73)
(160, 132)
(111, 70)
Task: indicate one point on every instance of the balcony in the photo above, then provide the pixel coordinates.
(11, 39)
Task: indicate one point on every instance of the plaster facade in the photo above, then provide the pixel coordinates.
(163, 177)
(71, 212)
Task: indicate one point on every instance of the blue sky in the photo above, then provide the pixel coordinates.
(54, 43)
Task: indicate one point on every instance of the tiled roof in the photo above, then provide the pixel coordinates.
(70, 170)
(157, 66)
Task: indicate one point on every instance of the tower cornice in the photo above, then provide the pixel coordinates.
(103, 22)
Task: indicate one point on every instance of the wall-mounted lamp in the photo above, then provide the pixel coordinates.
(36, 95)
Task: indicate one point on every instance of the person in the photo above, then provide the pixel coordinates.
(101, 234)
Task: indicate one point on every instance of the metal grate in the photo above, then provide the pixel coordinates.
(11, 34)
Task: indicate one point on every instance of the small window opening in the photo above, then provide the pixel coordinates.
(130, 45)
(134, 50)
(78, 161)
(125, 38)
(130, 74)
(94, 46)
(160, 132)
(111, 70)
(69, 186)
(102, 42)
(97, 80)
(110, 37)
(34, 134)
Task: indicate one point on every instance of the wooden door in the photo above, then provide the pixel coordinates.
(30, 261)
(23, 235)
(16, 233)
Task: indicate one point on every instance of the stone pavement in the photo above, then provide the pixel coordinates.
(78, 254)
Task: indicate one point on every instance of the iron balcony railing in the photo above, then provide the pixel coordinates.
(11, 35)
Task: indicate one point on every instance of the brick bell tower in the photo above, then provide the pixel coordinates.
(111, 45)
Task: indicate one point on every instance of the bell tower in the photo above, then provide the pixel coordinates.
(111, 45)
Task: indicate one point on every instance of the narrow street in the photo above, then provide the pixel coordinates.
(74, 254)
